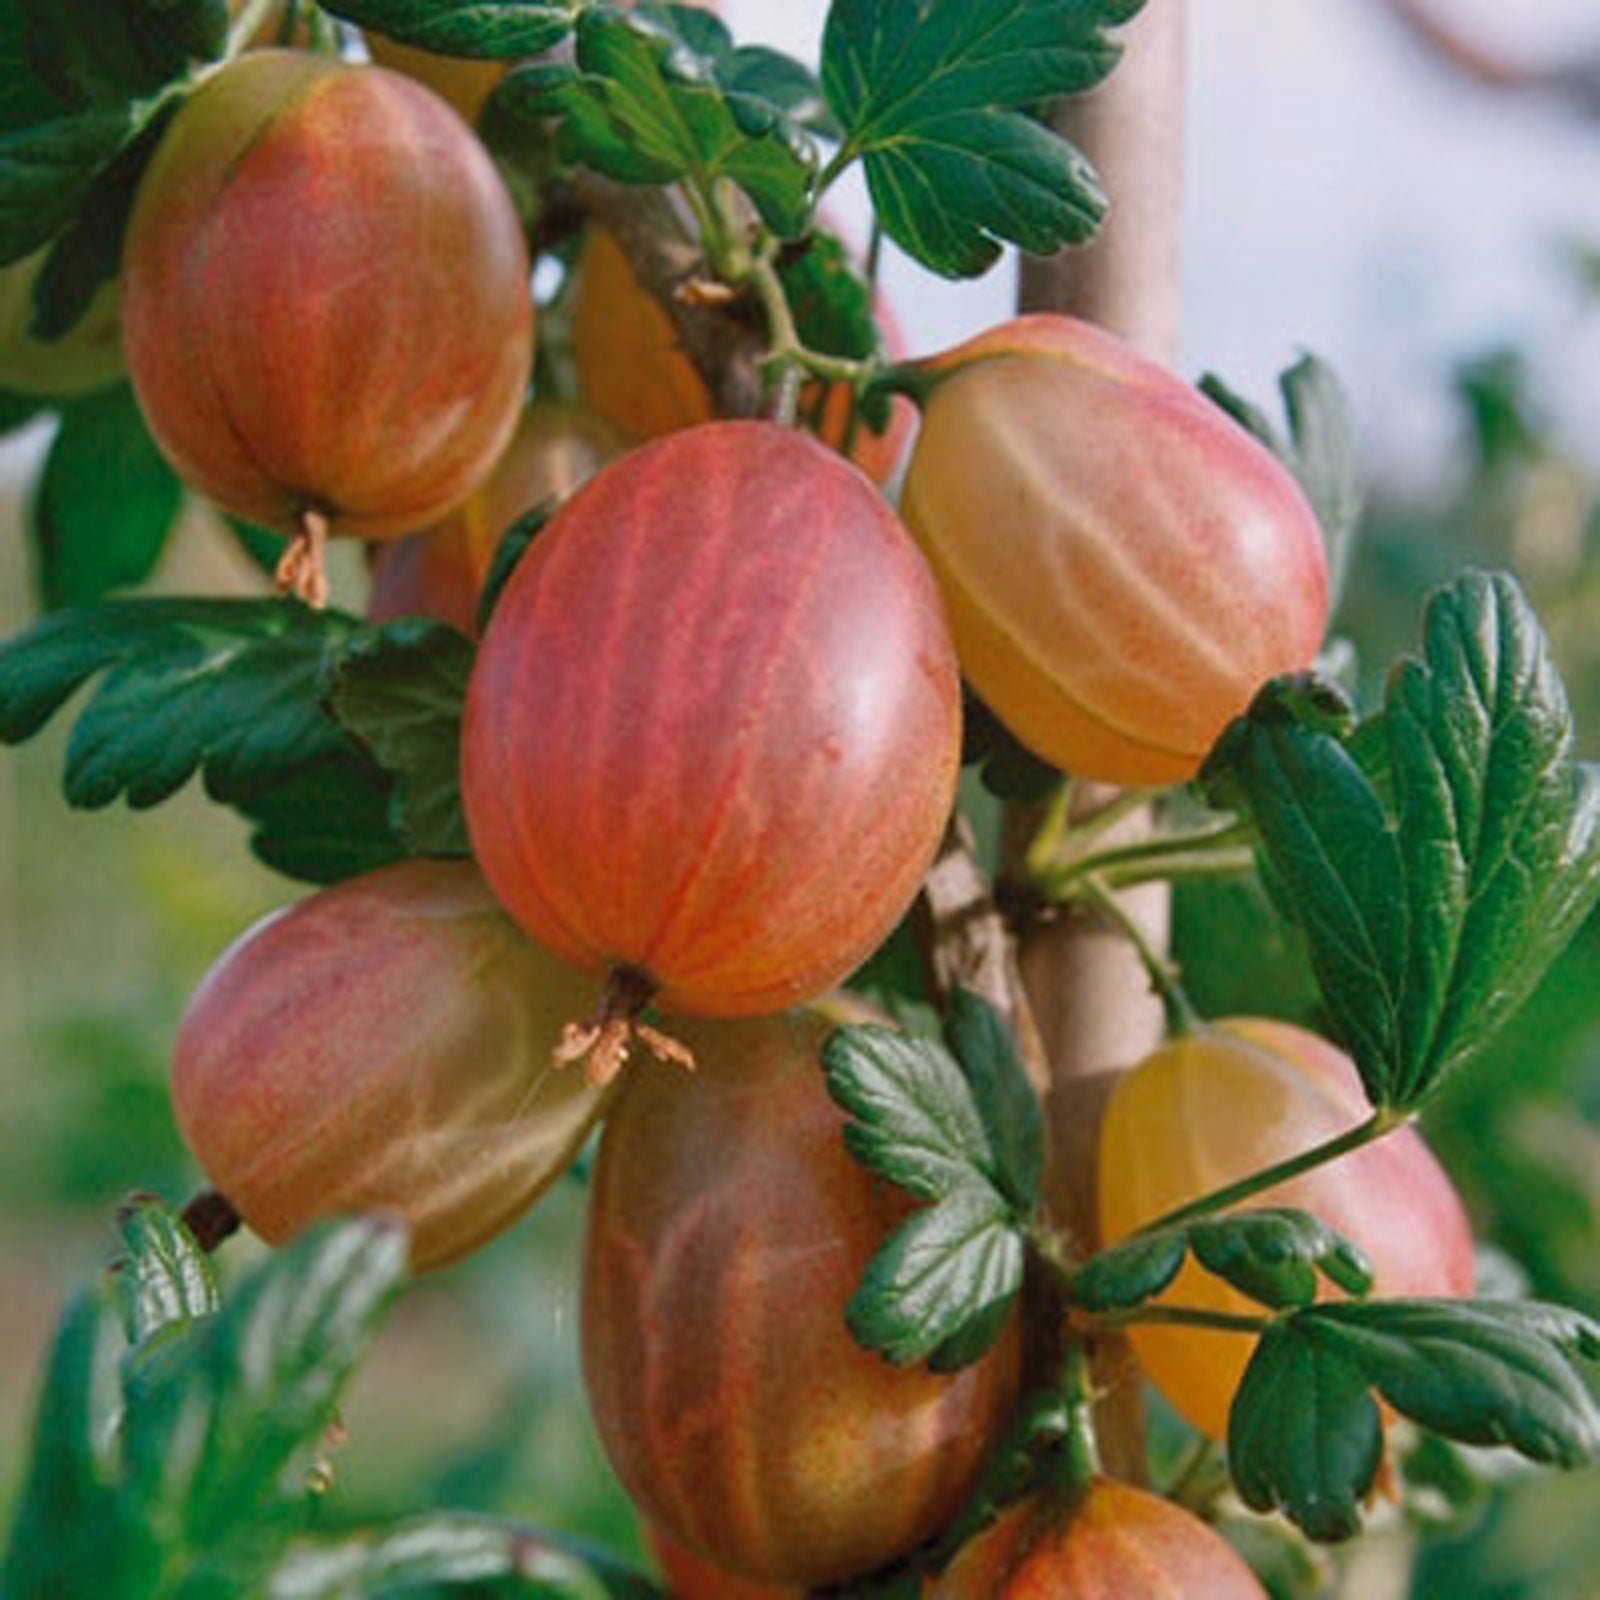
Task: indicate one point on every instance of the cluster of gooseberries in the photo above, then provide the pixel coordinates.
(710, 748)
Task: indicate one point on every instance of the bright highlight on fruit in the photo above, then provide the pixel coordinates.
(1123, 564)
(325, 302)
(712, 736)
(1235, 1097)
(384, 1046)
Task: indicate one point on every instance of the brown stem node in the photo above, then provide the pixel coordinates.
(604, 1041)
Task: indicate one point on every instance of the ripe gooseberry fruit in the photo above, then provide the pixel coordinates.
(728, 1226)
(712, 734)
(440, 572)
(1112, 1542)
(384, 1045)
(1124, 565)
(1228, 1100)
(691, 1577)
(632, 371)
(325, 302)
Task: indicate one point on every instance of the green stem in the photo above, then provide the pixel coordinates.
(786, 351)
(1377, 1126)
(1081, 1463)
(842, 158)
(1150, 858)
(1186, 1317)
(1182, 1017)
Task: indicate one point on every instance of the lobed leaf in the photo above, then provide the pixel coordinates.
(937, 96)
(1006, 1101)
(1274, 1254)
(107, 52)
(210, 1442)
(227, 688)
(105, 503)
(47, 169)
(164, 1280)
(943, 1284)
(1432, 906)
(446, 1553)
(399, 690)
(916, 1122)
(645, 102)
(1304, 1436)
(486, 29)
(1270, 1253)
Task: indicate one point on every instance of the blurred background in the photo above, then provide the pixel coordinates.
(1410, 188)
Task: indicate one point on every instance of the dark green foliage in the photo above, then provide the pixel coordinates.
(1431, 914)
(184, 1472)
(493, 29)
(228, 688)
(1272, 1254)
(398, 690)
(959, 1132)
(1304, 1432)
(663, 95)
(104, 504)
(935, 96)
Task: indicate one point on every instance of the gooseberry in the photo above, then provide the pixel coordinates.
(384, 1045)
(1232, 1098)
(325, 298)
(1108, 1542)
(728, 1226)
(1124, 565)
(712, 735)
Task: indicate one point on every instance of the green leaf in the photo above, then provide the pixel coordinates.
(943, 1284)
(325, 820)
(1005, 1099)
(399, 690)
(916, 1121)
(1320, 451)
(63, 1539)
(230, 688)
(211, 1441)
(1430, 915)
(1271, 1253)
(164, 1280)
(108, 51)
(87, 254)
(47, 169)
(25, 97)
(936, 96)
(105, 503)
(1303, 1434)
(644, 104)
(445, 1553)
(513, 545)
(487, 29)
